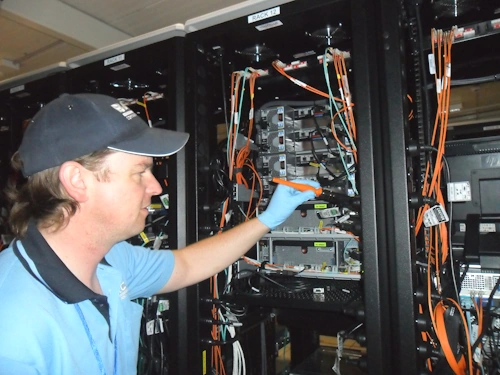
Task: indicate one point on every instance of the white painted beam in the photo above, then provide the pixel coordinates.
(65, 20)
(230, 13)
(16, 83)
(128, 45)
(10, 64)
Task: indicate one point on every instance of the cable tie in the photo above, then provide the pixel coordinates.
(298, 82)
(280, 64)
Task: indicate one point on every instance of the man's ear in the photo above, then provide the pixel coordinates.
(72, 176)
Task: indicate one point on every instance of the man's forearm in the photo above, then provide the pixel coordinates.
(205, 258)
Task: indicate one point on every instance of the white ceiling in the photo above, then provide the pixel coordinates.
(138, 17)
(38, 33)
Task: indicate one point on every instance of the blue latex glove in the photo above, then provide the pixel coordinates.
(284, 201)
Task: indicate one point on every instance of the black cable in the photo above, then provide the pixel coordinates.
(313, 150)
(268, 279)
(236, 277)
(318, 128)
(487, 316)
(464, 273)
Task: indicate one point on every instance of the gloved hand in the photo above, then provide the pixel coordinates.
(284, 201)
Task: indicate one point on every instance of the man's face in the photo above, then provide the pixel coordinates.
(120, 202)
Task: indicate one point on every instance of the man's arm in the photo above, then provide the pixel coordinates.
(205, 258)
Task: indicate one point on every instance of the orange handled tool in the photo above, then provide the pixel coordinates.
(298, 186)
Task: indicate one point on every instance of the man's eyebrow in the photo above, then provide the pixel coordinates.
(145, 165)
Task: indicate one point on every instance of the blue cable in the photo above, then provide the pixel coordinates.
(93, 344)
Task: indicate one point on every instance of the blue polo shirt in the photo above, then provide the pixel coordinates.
(52, 324)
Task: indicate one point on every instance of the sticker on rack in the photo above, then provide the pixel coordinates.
(264, 15)
(165, 200)
(114, 59)
(13, 90)
(119, 67)
(435, 215)
(269, 25)
(154, 327)
(459, 191)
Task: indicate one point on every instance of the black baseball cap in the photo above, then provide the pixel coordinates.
(72, 126)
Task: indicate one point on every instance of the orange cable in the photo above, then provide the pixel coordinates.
(302, 84)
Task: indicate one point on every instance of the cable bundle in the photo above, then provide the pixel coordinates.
(444, 312)
(344, 111)
(238, 160)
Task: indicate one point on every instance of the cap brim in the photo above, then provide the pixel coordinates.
(154, 142)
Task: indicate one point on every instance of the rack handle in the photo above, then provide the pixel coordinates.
(298, 186)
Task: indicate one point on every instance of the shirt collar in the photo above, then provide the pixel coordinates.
(57, 277)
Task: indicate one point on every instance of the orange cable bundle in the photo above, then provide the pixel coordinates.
(240, 159)
(341, 72)
(278, 66)
(441, 49)
(436, 239)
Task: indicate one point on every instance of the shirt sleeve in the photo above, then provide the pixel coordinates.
(145, 271)
(12, 367)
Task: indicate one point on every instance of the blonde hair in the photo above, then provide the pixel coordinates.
(42, 197)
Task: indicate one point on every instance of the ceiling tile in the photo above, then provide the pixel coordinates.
(136, 18)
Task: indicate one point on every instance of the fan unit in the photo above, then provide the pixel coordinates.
(329, 36)
(258, 53)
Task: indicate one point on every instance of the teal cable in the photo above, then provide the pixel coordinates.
(353, 145)
(231, 121)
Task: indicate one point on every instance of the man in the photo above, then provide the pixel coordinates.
(67, 282)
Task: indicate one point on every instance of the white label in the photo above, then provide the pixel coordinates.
(150, 327)
(17, 89)
(463, 227)
(496, 23)
(296, 65)
(469, 32)
(493, 127)
(269, 25)
(154, 326)
(305, 54)
(165, 200)
(459, 33)
(163, 305)
(119, 67)
(432, 64)
(487, 228)
(435, 215)
(263, 15)
(114, 59)
(459, 191)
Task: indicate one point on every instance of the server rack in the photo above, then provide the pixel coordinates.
(406, 42)
(20, 98)
(220, 44)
